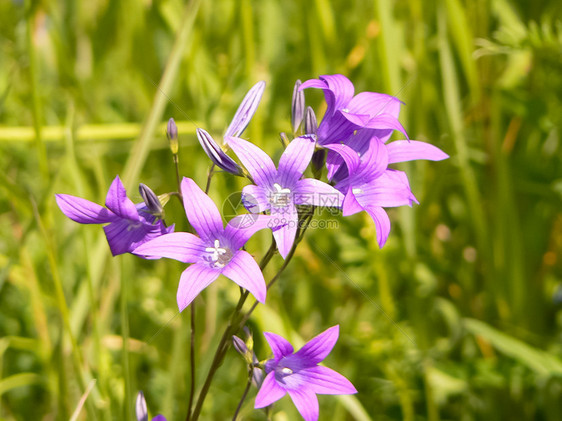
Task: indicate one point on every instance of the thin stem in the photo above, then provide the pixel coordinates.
(231, 329)
(178, 180)
(246, 390)
(191, 363)
(125, 349)
(209, 177)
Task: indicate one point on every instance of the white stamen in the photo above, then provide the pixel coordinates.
(345, 110)
(286, 370)
(357, 191)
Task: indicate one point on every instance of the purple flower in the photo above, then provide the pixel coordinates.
(129, 226)
(216, 251)
(369, 185)
(280, 190)
(347, 113)
(299, 374)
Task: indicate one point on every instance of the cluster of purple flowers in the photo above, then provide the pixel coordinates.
(351, 143)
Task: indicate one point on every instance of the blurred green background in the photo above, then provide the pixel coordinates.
(458, 317)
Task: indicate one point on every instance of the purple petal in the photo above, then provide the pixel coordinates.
(140, 408)
(182, 246)
(246, 110)
(350, 204)
(257, 162)
(389, 190)
(193, 280)
(382, 223)
(403, 150)
(240, 228)
(254, 198)
(374, 104)
(83, 211)
(216, 154)
(336, 128)
(349, 156)
(306, 402)
(244, 270)
(124, 236)
(374, 160)
(279, 345)
(284, 236)
(318, 348)
(310, 191)
(338, 90)
(159, 418)
(325, 381)
(386, 121)
(118, 202)
(269, 392)
(201, 212)
(295, 159)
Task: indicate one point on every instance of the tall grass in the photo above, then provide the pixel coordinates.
(458, 317)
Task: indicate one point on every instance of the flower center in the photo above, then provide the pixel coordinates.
(280, 197)
(357, 191)
(133, 225)
(218, 256)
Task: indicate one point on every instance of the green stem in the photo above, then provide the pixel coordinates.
(246, 390)
(125, 349)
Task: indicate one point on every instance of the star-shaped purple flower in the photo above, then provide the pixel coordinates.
(129, 226)
(280, 190)
(216, 251)
(299, 374)
(369, 185)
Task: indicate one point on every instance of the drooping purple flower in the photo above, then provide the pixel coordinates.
(299, 375)
(347, 113)
(214, 252)
(216, 154)
(129, 226)
(142, 411)
(367, 182)
(280, 190)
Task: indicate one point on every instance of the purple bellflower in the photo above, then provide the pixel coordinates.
(369, 185)
(214, 252)
(347, 113)
(299, 375)
(280, 190)
(129, 226)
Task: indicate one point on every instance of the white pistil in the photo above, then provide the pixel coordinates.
(216, 253)
(286, 370)
(280, 197)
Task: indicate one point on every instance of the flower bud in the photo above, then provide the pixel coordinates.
(310, 123)
(172, 133)
(297, 108)
(140, 408)
(216, 154)
(151, 201)
(245, 111)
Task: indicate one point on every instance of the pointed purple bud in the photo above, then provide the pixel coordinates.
(172, 133)
(151, 200)
(216, 154)
(310, 122)
(239, 345)
(140, 408)
(246, 110)
(297, 109)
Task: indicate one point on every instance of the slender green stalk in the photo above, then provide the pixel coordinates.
(125, 349)
(246, 390)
